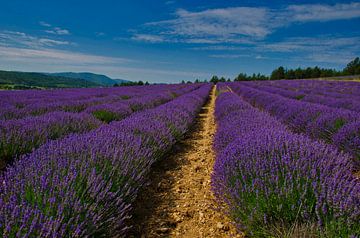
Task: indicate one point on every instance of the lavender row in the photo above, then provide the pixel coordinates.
(337, 89)
(84, 185)
(19, 105)
(15, 108)
(21, 136)
(335, 126)
(346, 101)
(34, 96)
(270, 179)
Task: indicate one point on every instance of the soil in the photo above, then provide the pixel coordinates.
(178, 202)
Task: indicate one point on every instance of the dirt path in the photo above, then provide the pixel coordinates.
(179, 201)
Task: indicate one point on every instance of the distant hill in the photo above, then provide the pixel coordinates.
(95, 78)
(23, 80)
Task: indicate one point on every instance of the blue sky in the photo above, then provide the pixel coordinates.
(170, 41)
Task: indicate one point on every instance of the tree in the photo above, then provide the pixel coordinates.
(316, 72)
(352, 68)
(278, 73)
(214, 79)
(241, 77)
(290, 74)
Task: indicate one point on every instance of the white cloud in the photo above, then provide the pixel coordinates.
(312, 44)
(49, 42)
(14, 38)
(100, 34)
(216, 22)
(54, 30)
(319, 12)
(55, 56)
(170, 2)
(58, 31)
(42, 23)
(220, 48)
(147, 38)
(319, 49)
(229, 56)
(260, 57)
(21, 47)
(241, 25)
(334, 57)
(236, 56)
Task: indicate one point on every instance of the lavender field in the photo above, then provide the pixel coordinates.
(288, 155)
(72, 172)
(286, 158)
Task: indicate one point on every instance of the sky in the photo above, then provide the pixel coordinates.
(167, 41)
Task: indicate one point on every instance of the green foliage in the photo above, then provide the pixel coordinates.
(299, 97)
(140, 83)
(299, 73)
(353, 68)
(245, 77)
(215, 79)
(125, 97)
(278, 73)
(91, 77)
(105, 116)
(24, 80)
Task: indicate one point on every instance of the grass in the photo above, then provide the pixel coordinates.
(105, 116)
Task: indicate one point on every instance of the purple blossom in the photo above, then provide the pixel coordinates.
(84, 184)
(265, 174)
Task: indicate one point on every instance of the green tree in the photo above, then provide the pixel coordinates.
(214, 79)
(241, 77)
(278, 73)
(352, 68)
(222, 79)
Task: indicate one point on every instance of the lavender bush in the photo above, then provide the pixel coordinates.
(315, 120)
(268, 177)
(83, 185)
(23, 135)
(20, 104)
(20, 136)
(337, 94)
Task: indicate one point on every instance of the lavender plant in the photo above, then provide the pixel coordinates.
(84, 184)
(20, 136)
(267, 177)
(315, 120)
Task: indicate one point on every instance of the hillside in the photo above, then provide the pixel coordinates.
(20, 80)
(91, 77)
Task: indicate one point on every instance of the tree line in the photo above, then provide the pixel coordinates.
(130, 83)
(352, 68)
